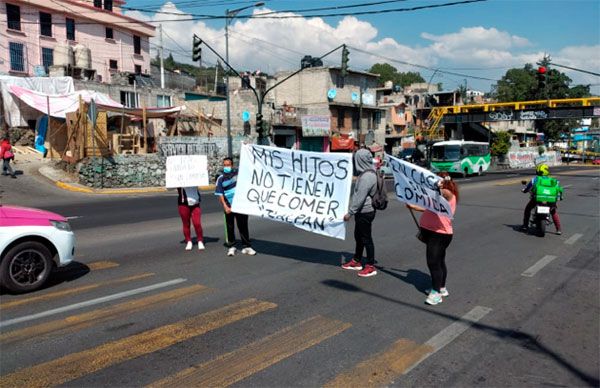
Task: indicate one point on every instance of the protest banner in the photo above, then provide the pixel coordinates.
(186, 171)
(418, 186)
(310, 190)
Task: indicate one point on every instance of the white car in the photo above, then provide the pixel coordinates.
(32, 243)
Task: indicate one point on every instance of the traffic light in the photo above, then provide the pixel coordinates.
(345, 53)
(259, 124)
(541, 76)
(196, 49)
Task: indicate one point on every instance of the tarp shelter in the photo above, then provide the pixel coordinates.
(16, 113)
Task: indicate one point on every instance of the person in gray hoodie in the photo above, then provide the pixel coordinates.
(361, 207)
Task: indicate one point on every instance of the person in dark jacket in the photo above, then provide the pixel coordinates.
(189, 209)
(361, 207)
(7, 155)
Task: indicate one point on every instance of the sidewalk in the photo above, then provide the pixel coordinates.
(65, 181)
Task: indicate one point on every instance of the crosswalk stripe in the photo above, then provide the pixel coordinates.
(98, 265)
(71, 291)
(92, 302)
(76, 365)
(80, 321)
(404, 355)
(246, 361)
(382, 368)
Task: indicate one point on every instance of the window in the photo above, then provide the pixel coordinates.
(340, 118)
(17, 56)
(45, 24)
(108, 4)
(70, 24)
(163, 101)
(98, 3)
(138, 69)
(109, 33)
(130, 99)
(13, 14)
(113, 65)
(47, 58)
(137, 45)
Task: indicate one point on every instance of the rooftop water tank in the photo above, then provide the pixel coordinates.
(63, 55)
(83, 57)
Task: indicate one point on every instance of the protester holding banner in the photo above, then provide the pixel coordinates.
(361, 207)
(189, 210)
(225, 190)
(436, 232)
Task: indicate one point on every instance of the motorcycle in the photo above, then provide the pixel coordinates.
(540, 216)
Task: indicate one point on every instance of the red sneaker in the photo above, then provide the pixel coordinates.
(368, 271)
(353, 265)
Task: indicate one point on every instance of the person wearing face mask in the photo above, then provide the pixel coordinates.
(361, 207)
(225, 190)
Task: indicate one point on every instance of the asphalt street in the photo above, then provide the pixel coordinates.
(137, 309)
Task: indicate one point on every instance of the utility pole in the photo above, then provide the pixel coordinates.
(162, 67)
(216, 75)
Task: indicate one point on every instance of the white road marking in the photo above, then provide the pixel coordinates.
(567, 186)
(544, 261)
(573, 239)
(451, 332)
(73, 217)
(90, 302)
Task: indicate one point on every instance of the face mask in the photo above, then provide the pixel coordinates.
(226, 170)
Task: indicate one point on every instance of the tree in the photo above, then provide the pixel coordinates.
(522, 85)
(388, 72)
(500, 143)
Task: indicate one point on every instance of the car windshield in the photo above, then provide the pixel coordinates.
(446, 153)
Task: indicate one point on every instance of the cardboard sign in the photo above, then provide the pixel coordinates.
(418, 186)
(310, 190)
(186, 171)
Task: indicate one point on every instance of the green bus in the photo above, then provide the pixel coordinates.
(460, 157)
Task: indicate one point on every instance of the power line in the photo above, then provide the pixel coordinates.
(421, 66)
(283, 17)
(575, 69)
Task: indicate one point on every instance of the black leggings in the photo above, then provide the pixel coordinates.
(364, 237)
(436, 256)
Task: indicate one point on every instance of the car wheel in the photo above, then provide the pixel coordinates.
(25, 267)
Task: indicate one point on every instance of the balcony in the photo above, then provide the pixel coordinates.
(289, 116)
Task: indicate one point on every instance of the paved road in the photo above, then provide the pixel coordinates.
(137, 309)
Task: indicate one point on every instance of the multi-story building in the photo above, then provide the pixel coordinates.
(88, 39)
(349, 103)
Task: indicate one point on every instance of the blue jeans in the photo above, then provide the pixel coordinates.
(6, 168)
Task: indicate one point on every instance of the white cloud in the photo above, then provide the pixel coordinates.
(278, 44)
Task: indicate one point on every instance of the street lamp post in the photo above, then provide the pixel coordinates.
(230, 15)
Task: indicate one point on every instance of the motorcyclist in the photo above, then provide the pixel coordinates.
(541, 170)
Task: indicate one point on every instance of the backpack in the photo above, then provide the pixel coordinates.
(379, 200)
(546, 189)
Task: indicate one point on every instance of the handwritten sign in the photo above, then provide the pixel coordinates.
(186, 171)
(310, 190)
(418, 186)
(315, 125)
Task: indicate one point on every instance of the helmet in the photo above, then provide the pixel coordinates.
(542, 170)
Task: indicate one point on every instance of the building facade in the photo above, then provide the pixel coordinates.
(85, 39)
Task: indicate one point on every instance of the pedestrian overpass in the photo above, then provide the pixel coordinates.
(475, 115)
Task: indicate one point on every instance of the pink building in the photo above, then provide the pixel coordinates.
(39, 35)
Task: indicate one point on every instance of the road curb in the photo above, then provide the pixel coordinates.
(77, 188)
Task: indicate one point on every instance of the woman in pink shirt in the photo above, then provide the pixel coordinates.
(437, 234)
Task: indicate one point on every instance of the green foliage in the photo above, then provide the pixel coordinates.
(500, 143)
(388, 72)
(522, 85)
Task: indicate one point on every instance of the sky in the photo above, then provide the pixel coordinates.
(478, 41)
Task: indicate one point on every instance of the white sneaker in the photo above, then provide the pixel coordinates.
(231, 251)
(249, 251)
(201, 246)
(189, 246)
(443, 291)
(434, 298)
